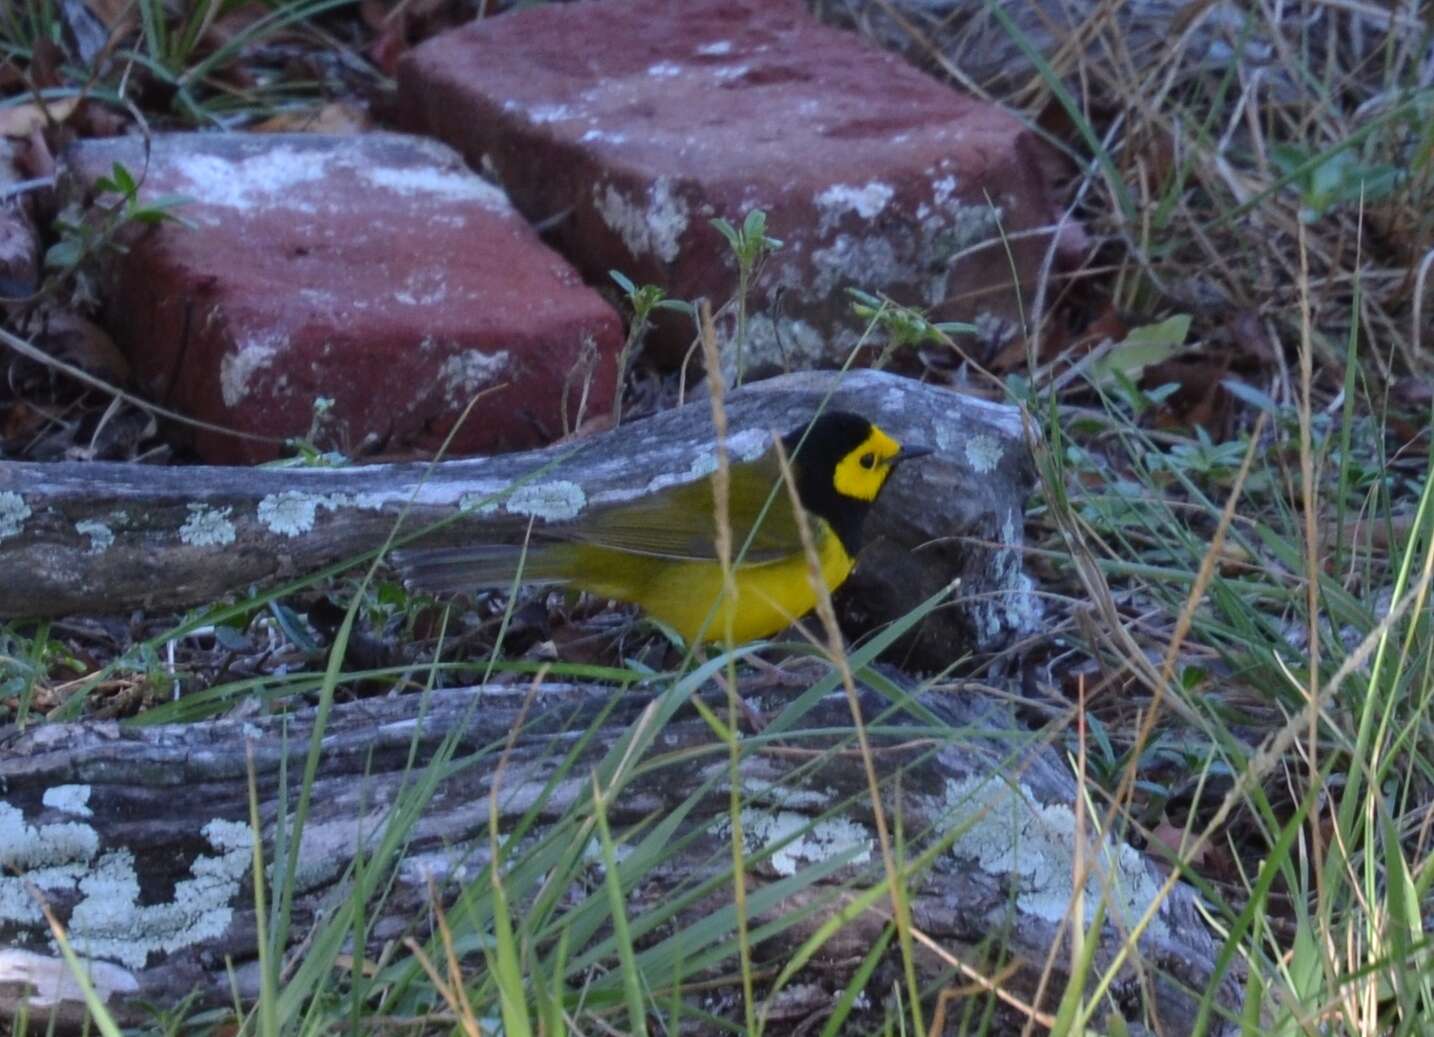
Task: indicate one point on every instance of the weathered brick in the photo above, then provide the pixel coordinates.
(375, 271)
(630, 124)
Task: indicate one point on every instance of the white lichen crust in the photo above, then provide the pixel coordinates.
(207, 527)
(13, 513)
(653, 226)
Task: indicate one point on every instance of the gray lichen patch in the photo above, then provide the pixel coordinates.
(786, 343)
(291, 513)
(1032, 845)
(238, 368)
(207, 527)
(1014, 608)
(13, 513)
(101, 536)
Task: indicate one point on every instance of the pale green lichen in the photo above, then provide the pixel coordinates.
(207, 527)
(109, 922)
(101, 536)
(983, 453)
(797, 839)
(13, 513)
(290, 513)
(46, 858)
(1031, 846)
(553, 501)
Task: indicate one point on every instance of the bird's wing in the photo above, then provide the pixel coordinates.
(678, 522)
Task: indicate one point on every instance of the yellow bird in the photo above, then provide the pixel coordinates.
(659, 552)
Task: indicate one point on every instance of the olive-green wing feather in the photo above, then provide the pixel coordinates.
(679, 522)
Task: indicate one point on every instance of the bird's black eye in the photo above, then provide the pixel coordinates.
(868, 460)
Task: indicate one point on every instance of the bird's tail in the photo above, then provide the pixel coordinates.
(454, 570)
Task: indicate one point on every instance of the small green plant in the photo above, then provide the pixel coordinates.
(82, 238)
(750, 246)
(905, 326)
(1326, 181)
(644, 301)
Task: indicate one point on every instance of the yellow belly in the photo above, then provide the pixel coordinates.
(770, 596)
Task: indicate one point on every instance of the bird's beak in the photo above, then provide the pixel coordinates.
(906, 453)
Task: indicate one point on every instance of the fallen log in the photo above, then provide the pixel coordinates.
(138, 838)
(104, 538)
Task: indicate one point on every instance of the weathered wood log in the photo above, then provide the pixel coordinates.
(139, 840)
(111, 537)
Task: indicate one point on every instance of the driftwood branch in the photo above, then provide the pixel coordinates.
(111, 537)
(138, 838)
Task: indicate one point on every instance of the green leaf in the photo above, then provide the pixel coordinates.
(1145, 345)
(124, 180)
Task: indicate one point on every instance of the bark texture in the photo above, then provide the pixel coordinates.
(138, 838)
(111, 537)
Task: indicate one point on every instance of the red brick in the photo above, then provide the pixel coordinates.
(637, 121)
(374, 270)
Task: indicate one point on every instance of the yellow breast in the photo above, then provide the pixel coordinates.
(770, 596)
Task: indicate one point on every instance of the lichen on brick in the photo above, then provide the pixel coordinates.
(786, 343)
(249, 356)
(463, 374)
(442, 184)
(652, 226)
(866, 200)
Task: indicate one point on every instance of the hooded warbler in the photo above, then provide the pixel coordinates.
(659, 551)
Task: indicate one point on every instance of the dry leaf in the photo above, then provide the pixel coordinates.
(68, 336)
(1171, 836)
(335, 117)
(22, 120)
(112, 13)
